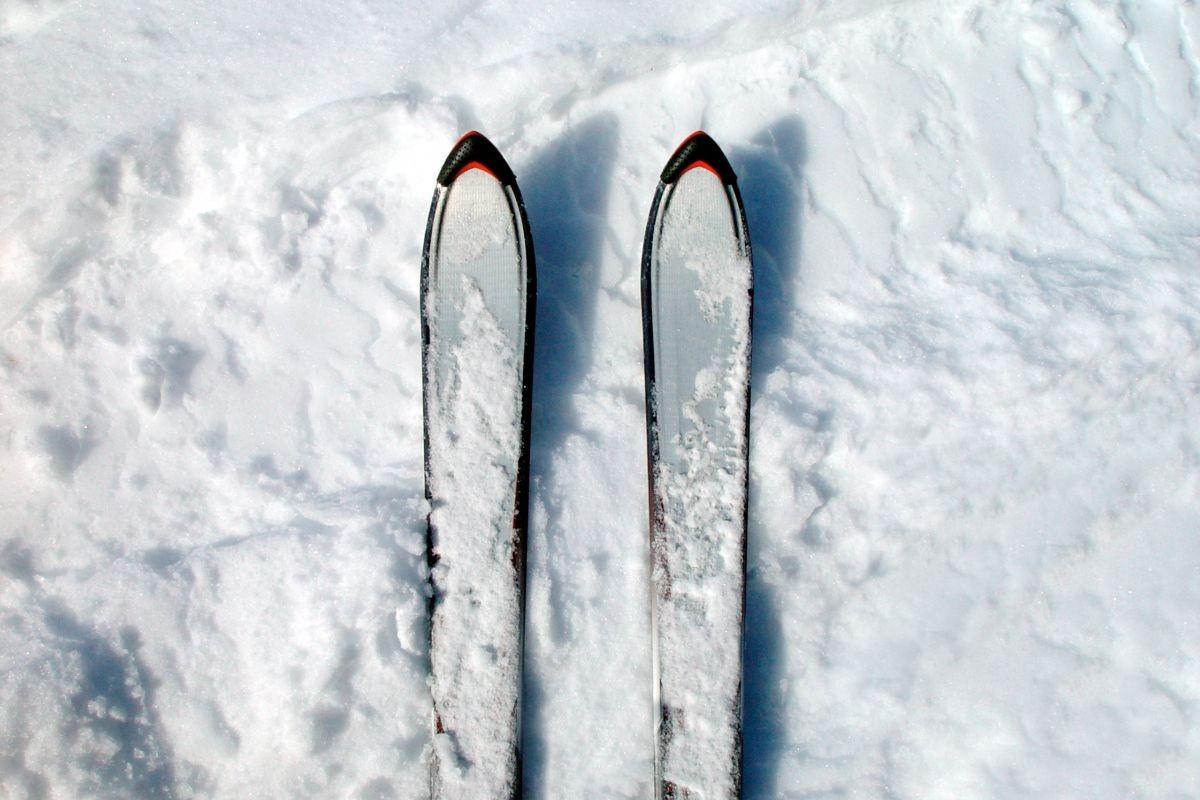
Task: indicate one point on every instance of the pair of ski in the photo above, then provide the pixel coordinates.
(477, 322)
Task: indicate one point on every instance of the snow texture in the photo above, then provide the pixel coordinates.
(975, 459)
(700, 299)
(474, 423)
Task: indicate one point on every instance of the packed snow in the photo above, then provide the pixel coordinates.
(975, 461)
(699, 304)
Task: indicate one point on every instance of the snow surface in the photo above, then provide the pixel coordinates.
(700, 296)
(975, 452)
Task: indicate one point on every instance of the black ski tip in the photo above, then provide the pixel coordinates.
(474, 151)
(698, 150)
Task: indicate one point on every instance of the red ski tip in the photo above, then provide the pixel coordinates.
(701, 165)
(474, 165)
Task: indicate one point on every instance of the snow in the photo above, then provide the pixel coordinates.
(975, 461)
(475, 442)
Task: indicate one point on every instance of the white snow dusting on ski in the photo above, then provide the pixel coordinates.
(974, 459)
(474, 441)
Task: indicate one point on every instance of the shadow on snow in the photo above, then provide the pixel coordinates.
(566, 196)
(770, 174)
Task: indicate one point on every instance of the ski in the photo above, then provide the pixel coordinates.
(477, 313)
(696, 315)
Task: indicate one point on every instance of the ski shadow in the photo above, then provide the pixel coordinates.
(115, 703)
(566, 196)
(770, 173)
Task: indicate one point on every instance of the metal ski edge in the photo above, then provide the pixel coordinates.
(521, 490)
(654, 508)
(655, 511)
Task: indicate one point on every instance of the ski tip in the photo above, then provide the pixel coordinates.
(474, 151)
(698, 150)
